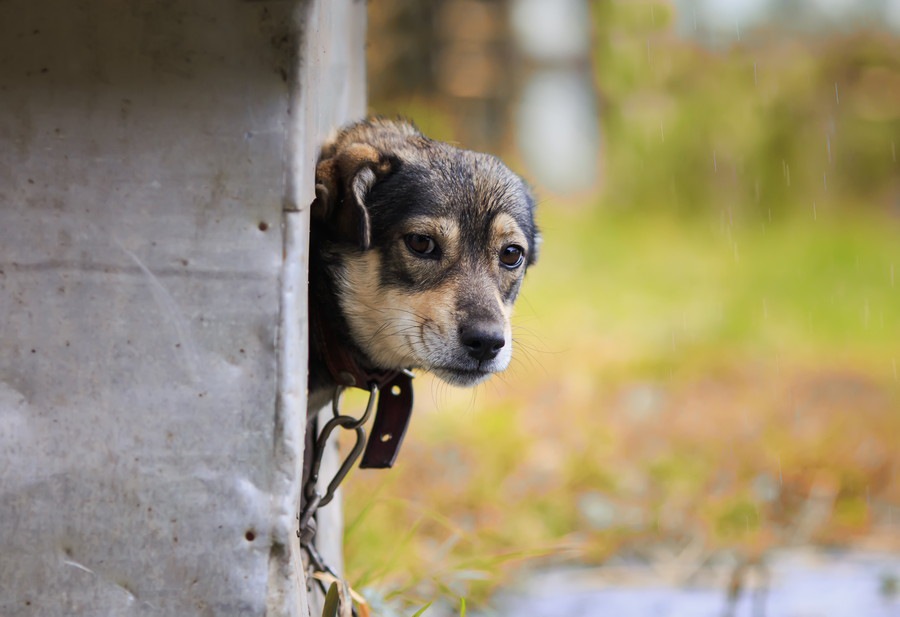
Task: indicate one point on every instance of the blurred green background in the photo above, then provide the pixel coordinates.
(706, 354)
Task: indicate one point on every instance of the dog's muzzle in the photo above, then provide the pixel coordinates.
(481, 349)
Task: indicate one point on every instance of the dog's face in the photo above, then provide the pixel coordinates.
(429, 247)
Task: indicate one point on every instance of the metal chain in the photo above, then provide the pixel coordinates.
(313, 499)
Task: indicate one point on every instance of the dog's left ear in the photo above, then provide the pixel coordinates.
(536, 238)
(343, 179)
(536, 242)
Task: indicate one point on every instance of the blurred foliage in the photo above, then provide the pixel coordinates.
(770, 124)
(706, 353)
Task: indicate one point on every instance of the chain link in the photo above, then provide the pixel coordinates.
(313, 499)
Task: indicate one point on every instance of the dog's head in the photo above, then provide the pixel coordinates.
(428, 246)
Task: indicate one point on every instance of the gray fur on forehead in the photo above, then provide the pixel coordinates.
(437, 177)
(458, 183)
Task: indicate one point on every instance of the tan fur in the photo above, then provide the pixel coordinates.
(505, 230)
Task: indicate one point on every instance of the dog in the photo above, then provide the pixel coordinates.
(418, 250)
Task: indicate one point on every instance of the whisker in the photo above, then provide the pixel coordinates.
(382, 310)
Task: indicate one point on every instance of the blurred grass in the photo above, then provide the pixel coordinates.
(706, 353)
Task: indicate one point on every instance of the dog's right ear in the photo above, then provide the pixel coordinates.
(343, 180)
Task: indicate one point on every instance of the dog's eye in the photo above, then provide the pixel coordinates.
(423, 246)
(512, 256)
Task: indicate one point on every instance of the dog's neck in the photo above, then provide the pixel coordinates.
(332, 354)
(326, 321)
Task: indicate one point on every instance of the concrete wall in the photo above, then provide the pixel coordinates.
(156, 158)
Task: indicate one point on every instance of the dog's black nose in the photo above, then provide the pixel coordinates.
(482, 341)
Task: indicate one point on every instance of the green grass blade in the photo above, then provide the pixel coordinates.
(419, 612)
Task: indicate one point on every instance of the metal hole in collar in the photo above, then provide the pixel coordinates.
(386, 437)
(396, 390)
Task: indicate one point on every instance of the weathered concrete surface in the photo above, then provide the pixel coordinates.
(151, 410)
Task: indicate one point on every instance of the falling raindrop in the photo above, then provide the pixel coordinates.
(828, 147)
(836, 95)
(662, 132)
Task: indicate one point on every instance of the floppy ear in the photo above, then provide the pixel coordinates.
(342, 182)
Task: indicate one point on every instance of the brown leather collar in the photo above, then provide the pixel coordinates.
(395, 395)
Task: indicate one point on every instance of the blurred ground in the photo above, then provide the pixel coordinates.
(812, 584)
